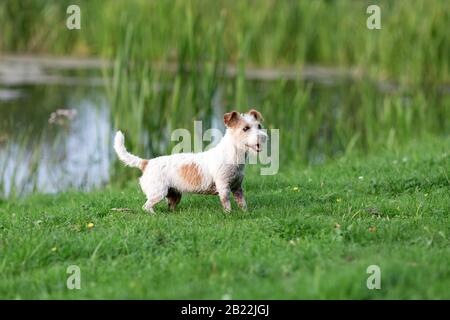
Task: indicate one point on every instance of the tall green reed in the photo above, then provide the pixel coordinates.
(413, 45)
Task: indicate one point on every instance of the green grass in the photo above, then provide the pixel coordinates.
(389, 209)
(312, 242)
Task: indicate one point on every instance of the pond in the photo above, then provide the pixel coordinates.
(54, 129)
(56, 121)
(39, 153)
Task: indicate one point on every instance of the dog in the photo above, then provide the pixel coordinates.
(217, 171)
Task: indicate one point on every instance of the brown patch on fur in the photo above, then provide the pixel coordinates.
(231, 119)
(256, 114)
(191, 174)
(144, 164)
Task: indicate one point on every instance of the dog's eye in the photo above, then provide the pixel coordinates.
(259, 126)
(246, 128)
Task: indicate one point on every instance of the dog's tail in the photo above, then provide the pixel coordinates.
(126, 157)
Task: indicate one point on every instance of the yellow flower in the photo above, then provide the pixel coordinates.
(295, 188)
(90, 225)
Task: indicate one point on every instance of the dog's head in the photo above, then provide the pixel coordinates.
(246, 130)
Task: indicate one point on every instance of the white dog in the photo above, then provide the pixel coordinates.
(220, 170)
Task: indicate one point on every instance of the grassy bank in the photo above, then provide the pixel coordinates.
(310, 232)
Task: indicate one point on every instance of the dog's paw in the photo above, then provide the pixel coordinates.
(226, 210)
(148, 209)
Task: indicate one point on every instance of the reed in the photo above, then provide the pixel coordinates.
(172, 62)
(413, 45)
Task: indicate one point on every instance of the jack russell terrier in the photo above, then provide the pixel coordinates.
(219, 171)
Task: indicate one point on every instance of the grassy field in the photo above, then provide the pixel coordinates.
(310, 232)
(364, 140)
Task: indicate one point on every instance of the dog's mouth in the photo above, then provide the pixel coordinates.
(255, 147)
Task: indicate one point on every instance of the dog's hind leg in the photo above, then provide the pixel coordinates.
(173, 198)
(152, 200)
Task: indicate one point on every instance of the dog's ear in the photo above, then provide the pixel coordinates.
(256, 114)
(230, 119)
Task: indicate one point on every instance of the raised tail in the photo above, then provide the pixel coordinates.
(126, 157)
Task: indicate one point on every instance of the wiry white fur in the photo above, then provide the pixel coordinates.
(221, 168)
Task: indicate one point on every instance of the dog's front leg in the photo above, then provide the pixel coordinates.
(224, 194)
(240, 199)
(225, 200)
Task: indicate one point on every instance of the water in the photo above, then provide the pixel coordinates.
(49, 157)
(41, 152)
(56, 123)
